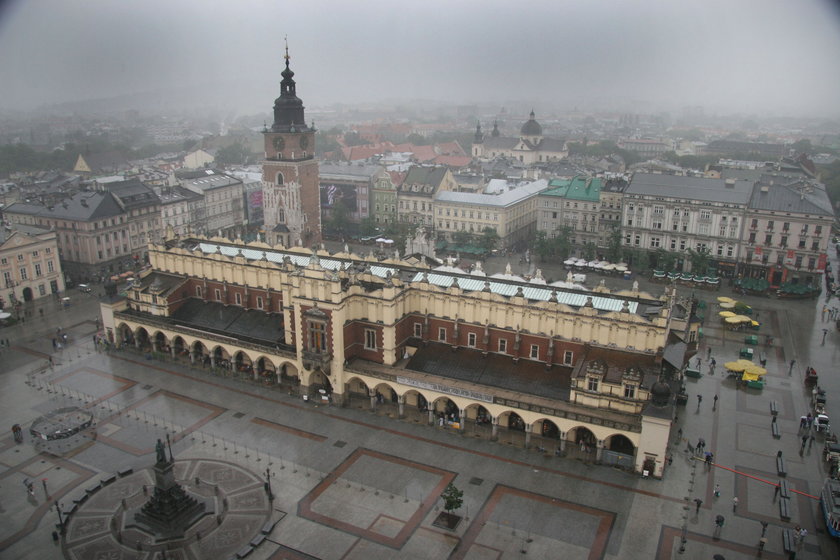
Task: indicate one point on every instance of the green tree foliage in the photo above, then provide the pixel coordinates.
(699, 259)
(232, 154)
(417, 139)
(803, 146)
(614, 245)
(452, 498)
(559, 247)
(339, 221)
(489, 239)
(352, 138)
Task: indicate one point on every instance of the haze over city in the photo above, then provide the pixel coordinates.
(752, 56)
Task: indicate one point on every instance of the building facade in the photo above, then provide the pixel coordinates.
(527, 148)
(29, 264)
(565, 369)
(351, 185)
(416, 194)
(681, 214)
(574, 204)
(223, 196)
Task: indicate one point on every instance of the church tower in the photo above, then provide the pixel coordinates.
(291, 197)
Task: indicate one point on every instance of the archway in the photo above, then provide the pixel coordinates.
(267, 371)
(242, 364)
(386, 396)
(512, 428)
(144, 343)
(479, 419)
(446, 412)
(585, 442)
(221, 358)
(161, 342)
(179, 347)
(126, 335)
(27, 294)
(416, 406)
(200, 353)
(547, 429)
(619, 451)
(357, 392)
(620, 444)
(320, 387)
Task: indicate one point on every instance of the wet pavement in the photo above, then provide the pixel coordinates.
(355, 483)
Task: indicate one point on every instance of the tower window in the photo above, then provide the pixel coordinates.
(279, 178)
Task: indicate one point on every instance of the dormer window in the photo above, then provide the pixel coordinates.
(592, 384)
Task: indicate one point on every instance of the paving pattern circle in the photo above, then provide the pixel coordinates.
(99, 528)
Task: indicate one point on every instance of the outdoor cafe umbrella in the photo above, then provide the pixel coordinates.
(735, 366)
(608, 266)
(726, 314)
(733, 320)
(570, 262)
(744, 318)
(5, 315)
(727, 305)
(621, 268)
(724, 299)
(756, 370)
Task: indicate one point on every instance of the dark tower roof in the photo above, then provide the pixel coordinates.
(288, 108)
(532, 127)
(479, 136)
(495, 133)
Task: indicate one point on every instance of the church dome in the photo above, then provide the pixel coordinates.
(660, 393)
(532, 127)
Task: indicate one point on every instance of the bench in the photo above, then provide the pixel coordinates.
(784, 490)
(689, 372)
(774, 408)
(257, 541)
(93, 488)
(788, 542)
(784, 509)
(108, 480)
(777, 432)
(124, 472)
(267, 528)
(780, 466)
(244, 551)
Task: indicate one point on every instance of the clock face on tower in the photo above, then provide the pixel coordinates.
(304, 142)
(278, 143)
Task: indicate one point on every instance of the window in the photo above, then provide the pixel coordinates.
(198, 291)
(50, 266)
(783, 243)
(20, 257)
(42, 290)
(654, 242)
(218, 295)
(259, 302)
(705, 214)
(768, 238)
(238, 298)
(658, 210)
(535, 351)
(754, 224)
(23, 275)
(7, 277)
(812, 262)
(673, 244)
(35, 253)
(503, 345)
(752, 237)
(568, 357)
(817, 230)
(37, 269)
(317, 336)
(471, 340)
(4, 261)
(770, 225)
(798, 261)
(786, 226)
(802, 243)
(815, 246)
(418, 329)
(442, 334)
(629, 391)
(370, 339)
(592, 383)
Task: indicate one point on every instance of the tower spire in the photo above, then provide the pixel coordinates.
(286, 56)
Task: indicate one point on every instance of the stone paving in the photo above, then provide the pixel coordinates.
(355, 483)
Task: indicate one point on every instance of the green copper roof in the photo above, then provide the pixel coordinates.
(578, 188)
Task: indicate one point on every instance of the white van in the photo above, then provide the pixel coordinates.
(84, 288)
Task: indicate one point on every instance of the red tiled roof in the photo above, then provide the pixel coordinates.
(453, 161)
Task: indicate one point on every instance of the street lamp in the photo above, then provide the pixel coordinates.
(60, 520)
(268, 485)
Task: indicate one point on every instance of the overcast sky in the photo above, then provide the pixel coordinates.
(755, 56)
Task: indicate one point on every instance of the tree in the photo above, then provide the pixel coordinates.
(417, 139)
(367, 227)
(339, 219)
(614, 245)
(803, 146)
(352, 138)
(452, 498)
(232, 154)
(462, 237)
(489, 239)
(699, 259)
(589, 250)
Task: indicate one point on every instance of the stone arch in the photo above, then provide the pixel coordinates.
(161, 341)
(179, 345)
(387, 392)
(546, 428)
(417, 399)
(288, 372)
(357, 388)
(220, 356)
(478, 413)
(620, 444)
(142, 338)
(582, 434)
(447, 407)
(512, 421)
(125, 335)
(242, 362)
(265, 364)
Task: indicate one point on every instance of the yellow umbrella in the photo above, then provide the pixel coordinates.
(733, 320)
(727, 305)
(726, 314)
(735, 366)
(756, 370)
(724, 299)
(755, 323)
(750, 376)
(743, 318)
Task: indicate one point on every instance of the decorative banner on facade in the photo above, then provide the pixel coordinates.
(790, 257)
(757, 254)
(821, 261)
(445, 389)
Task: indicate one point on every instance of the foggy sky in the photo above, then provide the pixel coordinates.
(755, 56)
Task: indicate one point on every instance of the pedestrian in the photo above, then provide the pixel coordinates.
(708, 461)
(702, 444)
(717, 491)
(699, 400)
(699, 503)
(735, 503)
(792, 363)
(776, 492)
(679, 434)
(804, 440)
(714, 406)
(802, 534)
(54, 343)
(811, 440)
(699, 361)
(708, 352)
(698, 447)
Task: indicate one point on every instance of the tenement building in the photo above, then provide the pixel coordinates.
(572, 372)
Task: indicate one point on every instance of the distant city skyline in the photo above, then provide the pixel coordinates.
(764, 57)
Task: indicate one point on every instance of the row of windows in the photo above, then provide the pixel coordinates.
(35, 254)
(592, 384)
(783, 241)
(237, 297)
